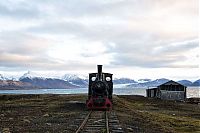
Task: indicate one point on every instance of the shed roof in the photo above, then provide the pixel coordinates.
(171, 82)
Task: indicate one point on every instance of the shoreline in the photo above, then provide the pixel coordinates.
(191, 92)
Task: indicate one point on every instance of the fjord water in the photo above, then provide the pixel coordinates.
(191, 91)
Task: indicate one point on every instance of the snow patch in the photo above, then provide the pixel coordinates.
(31, 75)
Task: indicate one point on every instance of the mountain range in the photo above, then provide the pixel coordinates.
(32, 80)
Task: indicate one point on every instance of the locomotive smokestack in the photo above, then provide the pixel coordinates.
(99, 67)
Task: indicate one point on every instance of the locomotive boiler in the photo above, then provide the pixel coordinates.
(100, 90)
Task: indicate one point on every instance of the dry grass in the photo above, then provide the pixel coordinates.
(39, 113)
(153, 115)
(57, 113)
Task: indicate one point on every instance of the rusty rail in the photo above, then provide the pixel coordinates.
(100, 121)
(84, 122)
(107, 122)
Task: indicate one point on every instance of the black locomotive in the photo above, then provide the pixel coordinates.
(100, 90)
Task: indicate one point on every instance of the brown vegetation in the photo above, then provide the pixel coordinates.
(57, 113)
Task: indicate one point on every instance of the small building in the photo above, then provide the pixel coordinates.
(170, 90)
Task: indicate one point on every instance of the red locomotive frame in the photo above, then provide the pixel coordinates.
(107, 105)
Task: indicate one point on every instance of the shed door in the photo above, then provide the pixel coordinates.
(152, 93)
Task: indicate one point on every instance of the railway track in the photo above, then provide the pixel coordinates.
(100, 122)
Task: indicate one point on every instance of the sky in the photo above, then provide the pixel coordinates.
(130, 38)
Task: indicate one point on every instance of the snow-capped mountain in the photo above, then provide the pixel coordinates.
(45, 82)
(196, 83)
(158, 82)
(2, 77)
(13, 85)
(69, 77)
(78, 80)
(9, 77)
(123, 81)
(185, 82)
(34, 80)
(31, 75)
(49, 83)
(143, 80)
(153, 83)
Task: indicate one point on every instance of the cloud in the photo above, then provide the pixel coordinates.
(23, 50)
(26, 51)
(77, 34)
(176, 47)
(23, 43)
(155, 56)
(18, 10)
(58, 28)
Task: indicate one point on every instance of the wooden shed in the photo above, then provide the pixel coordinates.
(170, 90)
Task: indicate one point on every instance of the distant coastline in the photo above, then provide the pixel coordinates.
(191, 91)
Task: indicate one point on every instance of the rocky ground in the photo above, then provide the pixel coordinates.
(57, 114)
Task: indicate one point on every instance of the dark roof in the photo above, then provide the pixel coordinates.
(171, 82)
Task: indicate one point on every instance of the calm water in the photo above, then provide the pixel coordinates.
(191, 91)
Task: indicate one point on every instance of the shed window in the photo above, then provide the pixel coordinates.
(180, 88)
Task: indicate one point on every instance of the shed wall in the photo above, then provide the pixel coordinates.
(172, 95)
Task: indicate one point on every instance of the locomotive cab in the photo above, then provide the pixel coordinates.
(100, 90)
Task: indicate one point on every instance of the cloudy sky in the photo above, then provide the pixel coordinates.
(133, 38)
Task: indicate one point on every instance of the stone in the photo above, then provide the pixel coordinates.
(6, 130)
(46, 115)
(49, 124)
(129, 129)
(27, 121)
(10, 118)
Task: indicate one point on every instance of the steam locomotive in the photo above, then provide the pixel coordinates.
(100, 90)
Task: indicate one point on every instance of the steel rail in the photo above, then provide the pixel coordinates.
(107, 123)
(84, 122)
